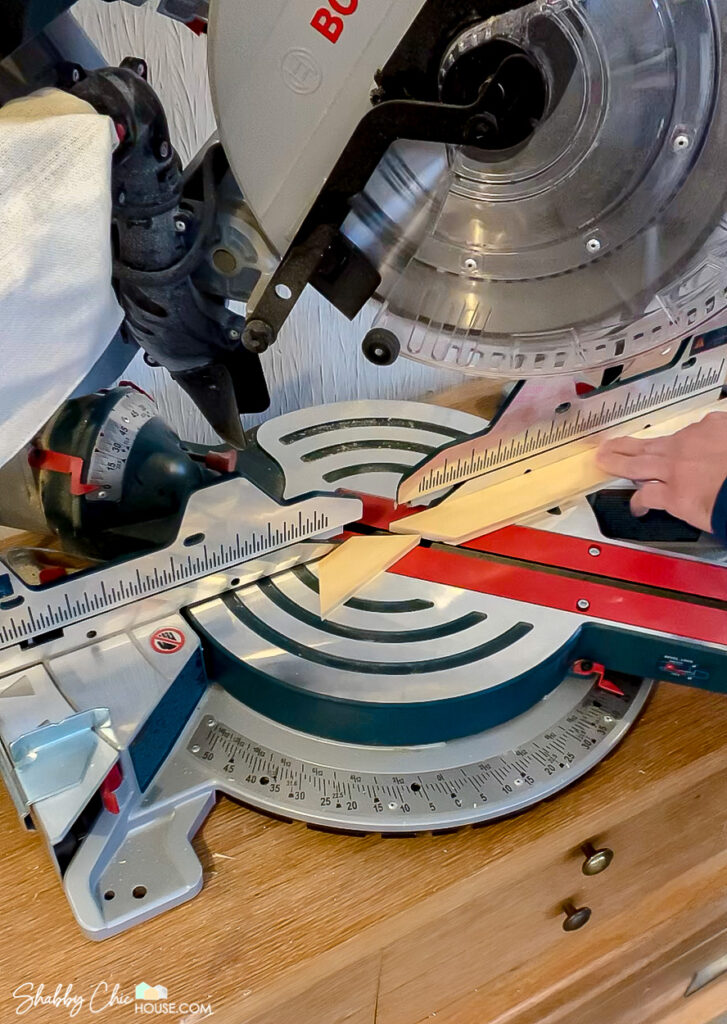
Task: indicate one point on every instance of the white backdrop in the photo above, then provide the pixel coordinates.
(318, 356)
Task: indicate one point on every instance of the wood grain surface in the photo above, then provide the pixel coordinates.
(300, 927)
(356, 563)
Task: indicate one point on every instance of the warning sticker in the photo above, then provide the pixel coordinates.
(167, 640)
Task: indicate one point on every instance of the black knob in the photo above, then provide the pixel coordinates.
(258, 336)
(381, 347)
(596, 860)
(575, 917)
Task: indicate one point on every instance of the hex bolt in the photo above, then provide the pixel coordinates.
(258, 336)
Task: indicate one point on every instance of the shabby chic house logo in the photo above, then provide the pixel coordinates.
(148, 1000)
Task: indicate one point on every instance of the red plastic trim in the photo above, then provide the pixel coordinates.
(137, 387)
(222, 462)
(51, 573)
(612, 561)
(57, 462)
(111, 783)
(198, 26)
(597, 600)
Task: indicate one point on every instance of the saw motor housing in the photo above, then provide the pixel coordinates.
(593, 238)
(479, 169)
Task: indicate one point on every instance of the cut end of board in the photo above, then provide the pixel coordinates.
(355, 563)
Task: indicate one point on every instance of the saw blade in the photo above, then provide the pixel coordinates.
(601, 238)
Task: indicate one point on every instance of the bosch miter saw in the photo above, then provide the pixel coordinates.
(529, 191)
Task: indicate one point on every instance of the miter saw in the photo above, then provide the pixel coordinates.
(528, 191)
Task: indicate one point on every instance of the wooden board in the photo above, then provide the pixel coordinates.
(460, 519)
(356, 562)
(474, 513)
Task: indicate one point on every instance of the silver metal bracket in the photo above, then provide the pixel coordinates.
(57, 756)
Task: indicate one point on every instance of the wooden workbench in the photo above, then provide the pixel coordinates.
(301, 927)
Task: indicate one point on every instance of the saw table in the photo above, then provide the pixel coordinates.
(463, 686)
(300, 924)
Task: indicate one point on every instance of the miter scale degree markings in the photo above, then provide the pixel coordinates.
(426, 789)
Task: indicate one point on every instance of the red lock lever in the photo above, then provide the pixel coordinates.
(222, 462)
(111, 783)
(592, 668)
(57, 462)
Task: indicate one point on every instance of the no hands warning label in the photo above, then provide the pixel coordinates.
(167, 640)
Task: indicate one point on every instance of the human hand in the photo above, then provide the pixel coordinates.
(682, 474)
